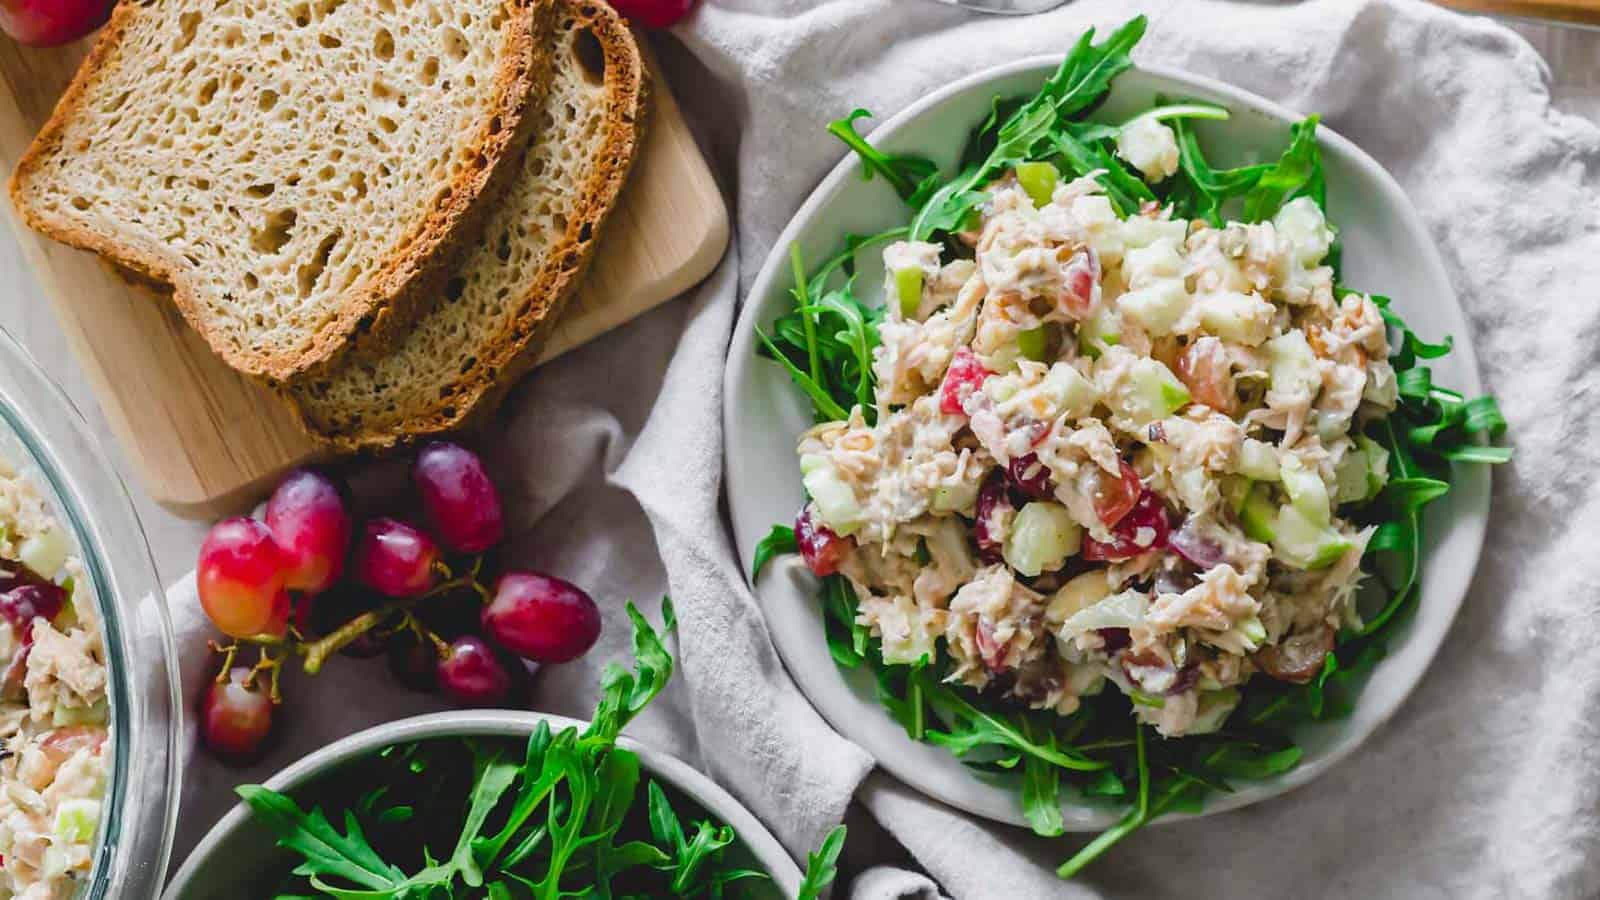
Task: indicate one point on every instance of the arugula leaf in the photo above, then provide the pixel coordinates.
(1298, 169)
(822, 866)
(325, 851)
(1082, 80)
(1041, 797)
(623, 695)
(779, 540)
(912, 177)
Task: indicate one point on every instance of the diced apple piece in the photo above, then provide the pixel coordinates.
(1102, 329)
(1258, 460)
(1291, 365)
(1042, 536)
(1306, 490)
(1142, 231)
(836, 500)
(1080, 593)
(1305, 544)
(1069, 391)
(1232, 316)
(1157, 306)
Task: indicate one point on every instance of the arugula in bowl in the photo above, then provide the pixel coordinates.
(568, 813)
(1023, 167)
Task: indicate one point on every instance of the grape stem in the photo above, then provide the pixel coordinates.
(318, 651)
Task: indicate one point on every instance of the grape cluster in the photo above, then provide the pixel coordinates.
(309, 581)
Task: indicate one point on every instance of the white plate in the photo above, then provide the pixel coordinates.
(238, 854)
(1386, 250)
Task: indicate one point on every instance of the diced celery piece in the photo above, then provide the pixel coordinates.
(1039, 180)
(836, 501)
(908, 289)
(1042, 536)
(1305, 544)
(1214, 709)
(1034, 343)
(1258, 460)
(1253, 630)
(1377, 464)
(1306, 490)
(94, 714)
(1350, 476)
(1234, 489)
(1102, 328)
(1157, 306)
(1259, 515)
(76, 820)
(1291, 365)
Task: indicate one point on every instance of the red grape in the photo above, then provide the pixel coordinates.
(992, 499)
(48, 23)
(655, 13)
(962, 379)
(820, 547)
(1149, 512)
(240, 578)
(461, 502)
(1030, 477)
(395, 559)
(235, 717)
(1113, 498)
(471, 673)
(21, 605)
(414, 662)
(541, 618)
(309, 523)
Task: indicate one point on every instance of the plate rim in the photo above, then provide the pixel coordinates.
(1471, 481)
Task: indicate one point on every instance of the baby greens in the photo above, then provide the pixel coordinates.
(476, 818)
(1099, 754)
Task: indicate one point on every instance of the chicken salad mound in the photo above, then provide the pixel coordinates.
(54, 736)
(1109, 452)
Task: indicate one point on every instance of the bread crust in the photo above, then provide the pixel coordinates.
(377, 308)
(502, 363)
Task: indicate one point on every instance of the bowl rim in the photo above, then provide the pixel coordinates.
(980, 800)
(87, 495)
(498, 723)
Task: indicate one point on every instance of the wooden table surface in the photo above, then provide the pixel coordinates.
(1573, 55)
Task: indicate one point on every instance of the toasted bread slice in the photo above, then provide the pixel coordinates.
(292, 169)
(505, 292)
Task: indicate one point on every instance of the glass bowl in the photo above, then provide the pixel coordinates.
(43, 434)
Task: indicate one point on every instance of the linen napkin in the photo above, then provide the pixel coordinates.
(1485, 784)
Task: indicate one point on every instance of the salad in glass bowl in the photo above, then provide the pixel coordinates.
(1120, 482)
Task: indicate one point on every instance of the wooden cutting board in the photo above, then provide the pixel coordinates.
(1580, 12)
(206, 441)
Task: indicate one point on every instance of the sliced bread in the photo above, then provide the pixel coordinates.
(506, 291)
(292, 168)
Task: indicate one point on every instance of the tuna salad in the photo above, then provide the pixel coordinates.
(1108, 452)
(53, 707)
